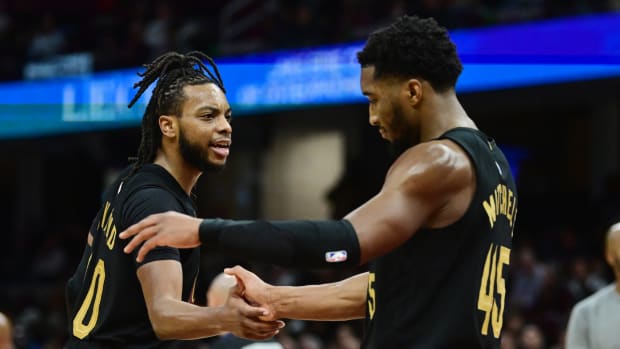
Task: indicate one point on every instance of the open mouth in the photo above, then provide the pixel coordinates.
(221, 147)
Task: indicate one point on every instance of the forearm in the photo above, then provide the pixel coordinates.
(338, 301)
(171, 317)
(300, 244)
(175, 319)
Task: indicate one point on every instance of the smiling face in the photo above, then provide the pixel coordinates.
(204, 128)
(390, 108)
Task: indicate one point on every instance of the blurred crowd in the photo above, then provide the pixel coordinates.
(127, 33)
(553, 266)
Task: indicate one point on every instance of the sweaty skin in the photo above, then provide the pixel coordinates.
(409, 71)
(385, 221)
(411, 198)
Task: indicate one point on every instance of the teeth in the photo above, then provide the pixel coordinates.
(220, 143)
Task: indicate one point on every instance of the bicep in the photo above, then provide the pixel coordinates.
(387, 221)
(416, 188)
(161, 281)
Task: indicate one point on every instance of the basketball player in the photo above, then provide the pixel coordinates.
(437, 236)
(114, 302)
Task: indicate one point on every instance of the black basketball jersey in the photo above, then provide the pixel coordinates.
(446, 288)
(105, 302)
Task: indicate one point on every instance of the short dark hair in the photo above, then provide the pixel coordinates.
(173, 71)
(413, 47)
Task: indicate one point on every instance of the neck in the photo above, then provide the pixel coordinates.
(443, 112)
(185, 175)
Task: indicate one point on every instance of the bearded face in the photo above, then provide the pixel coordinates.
(204, 130)
(197, 155)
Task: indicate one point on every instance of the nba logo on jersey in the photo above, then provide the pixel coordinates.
(336, 256)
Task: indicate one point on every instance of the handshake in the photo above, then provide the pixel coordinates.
(251, 308)
(245, 302)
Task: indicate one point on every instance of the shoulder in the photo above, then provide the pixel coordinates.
(143, 202)
(432, 167)
(595, 300)
(158, 198)
(603, 295)
(157, 195)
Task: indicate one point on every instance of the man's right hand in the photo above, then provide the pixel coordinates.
(163, 229)
(255, 290)
(246, 321)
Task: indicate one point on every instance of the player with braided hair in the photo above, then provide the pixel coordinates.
(115, 302)
(168, 93)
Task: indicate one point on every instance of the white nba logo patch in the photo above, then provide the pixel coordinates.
(336, 256)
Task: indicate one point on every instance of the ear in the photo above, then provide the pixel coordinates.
(609, 256)
(414, 92)
(168, 126)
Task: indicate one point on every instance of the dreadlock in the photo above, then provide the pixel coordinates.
(173, 71)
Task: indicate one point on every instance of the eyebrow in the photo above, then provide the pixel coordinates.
(213, 109)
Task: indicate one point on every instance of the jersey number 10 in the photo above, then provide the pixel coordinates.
(93, 296)
(492, 277)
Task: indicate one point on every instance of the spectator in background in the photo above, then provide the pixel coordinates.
(6, 332)
(346, 338)
(595, 321)
(133, 49)
(48, 41)
(582, 283)
(508, 341)
(528, 278)
(157, 34)
(310, 341)
(5, 19)
(553, 304)
(531, 338)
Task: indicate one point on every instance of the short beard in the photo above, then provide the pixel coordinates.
(196, 156)
(404, 140)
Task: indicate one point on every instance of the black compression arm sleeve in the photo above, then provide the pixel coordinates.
(297, 244)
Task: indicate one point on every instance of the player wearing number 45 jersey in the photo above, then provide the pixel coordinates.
(114, 302)
(437, 236)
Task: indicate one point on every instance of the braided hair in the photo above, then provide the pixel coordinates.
(173, 71)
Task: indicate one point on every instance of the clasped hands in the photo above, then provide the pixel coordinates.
(254, 291)
(248, 312)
